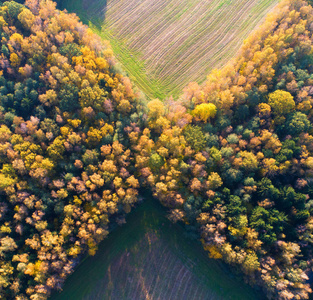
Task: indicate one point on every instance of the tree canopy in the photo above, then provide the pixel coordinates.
(231, 159)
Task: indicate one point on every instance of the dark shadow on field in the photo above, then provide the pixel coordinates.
(60, 4)
(150, 256)
(91, 7)
(93, 11)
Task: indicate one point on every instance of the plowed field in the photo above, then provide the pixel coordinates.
(151, 258)
(164, 44)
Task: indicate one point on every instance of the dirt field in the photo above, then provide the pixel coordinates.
(151, 258)
(164, 44)
(158, 274)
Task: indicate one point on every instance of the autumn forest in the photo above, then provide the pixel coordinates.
(232, 159)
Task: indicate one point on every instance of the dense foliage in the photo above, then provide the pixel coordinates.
(65, 165)
(232, 159)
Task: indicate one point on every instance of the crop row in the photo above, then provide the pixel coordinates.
(150, 270)
(181, 41)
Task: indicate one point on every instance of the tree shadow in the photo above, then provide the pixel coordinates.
(135, 252)
(96, 11)
(93, 11)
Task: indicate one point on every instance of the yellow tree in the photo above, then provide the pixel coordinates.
(204, 112)
(281, 102)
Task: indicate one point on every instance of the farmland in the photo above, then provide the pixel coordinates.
(229, 161)
(163, 45)
(150, 258)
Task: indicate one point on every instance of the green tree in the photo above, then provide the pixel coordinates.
(298, 123)
(68, 96)
(156, 162)
(195, 137)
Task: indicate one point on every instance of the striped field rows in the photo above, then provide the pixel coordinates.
(149, 270)
(165, 44)
(151, 258)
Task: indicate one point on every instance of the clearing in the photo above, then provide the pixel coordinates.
(165, 44)
(151, 258)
